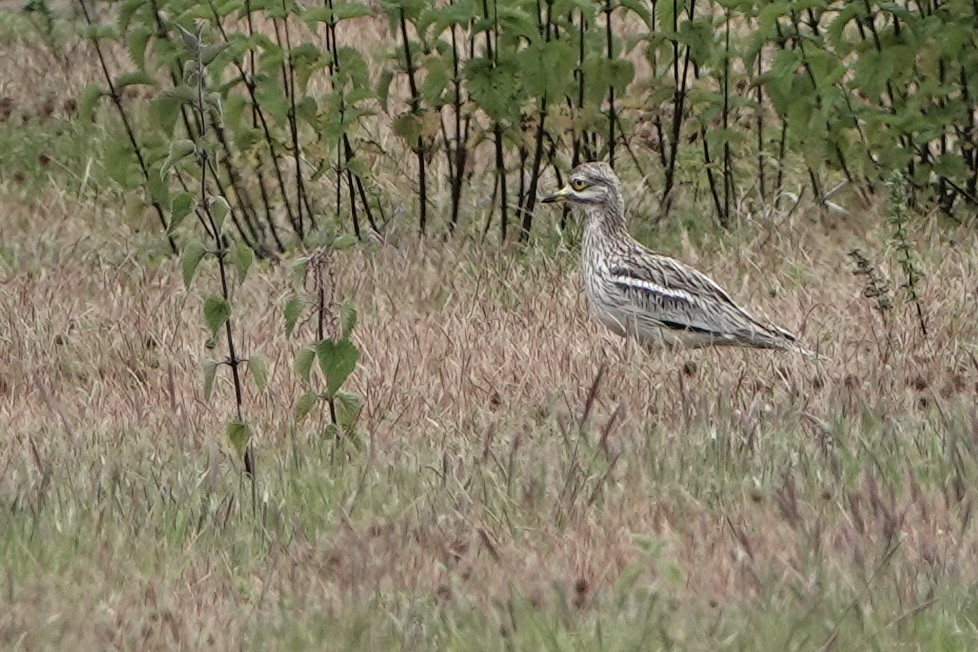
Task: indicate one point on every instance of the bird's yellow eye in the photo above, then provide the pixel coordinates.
(578, 184)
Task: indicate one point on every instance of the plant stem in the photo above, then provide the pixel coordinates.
(130, 133)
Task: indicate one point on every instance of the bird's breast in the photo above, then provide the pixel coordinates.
(596, 270)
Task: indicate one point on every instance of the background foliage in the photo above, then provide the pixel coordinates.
(725, 95)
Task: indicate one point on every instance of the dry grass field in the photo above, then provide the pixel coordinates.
(522, 479)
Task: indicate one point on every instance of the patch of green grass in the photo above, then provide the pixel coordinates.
(104, 521)
(50, 152)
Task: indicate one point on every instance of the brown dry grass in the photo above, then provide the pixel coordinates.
(748, 471)
(710, 498)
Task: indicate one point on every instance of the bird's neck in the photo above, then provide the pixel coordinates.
(602, 223)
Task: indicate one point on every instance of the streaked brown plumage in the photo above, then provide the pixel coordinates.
(639, 293)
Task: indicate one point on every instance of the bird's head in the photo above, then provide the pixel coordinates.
(595, 188)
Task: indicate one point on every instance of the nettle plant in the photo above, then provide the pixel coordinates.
(528, 84)
(187, 156)
(526, 78)
(290, 108)
(332, 323)
(333, 348)
(211, 157)
(730, 96)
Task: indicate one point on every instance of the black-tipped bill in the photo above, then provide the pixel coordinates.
(558, 196)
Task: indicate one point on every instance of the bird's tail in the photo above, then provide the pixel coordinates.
(770, 336)
(794, 347)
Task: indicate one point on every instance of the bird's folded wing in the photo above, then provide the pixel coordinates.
(649, 297)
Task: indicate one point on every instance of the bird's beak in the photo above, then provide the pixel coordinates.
(558, 196)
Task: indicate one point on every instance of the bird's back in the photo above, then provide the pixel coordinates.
(660, 300)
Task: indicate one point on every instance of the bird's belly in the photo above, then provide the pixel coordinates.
(648, 332)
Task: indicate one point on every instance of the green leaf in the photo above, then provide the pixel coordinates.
(190, 41)
(407, 126)
(191, 74)
(182, 205)
(351, 66)
(304, 360)
(210, 369)
(136, 42)
(181, 94)
(242, 257)
(259, 370)
(238, 433)
(217, 311)
(951, 166)
(137, 78)
(299, 269)
(344, 10)
(209, 52)
(292, 311)
(193, 251)
(272, 99)
(622, 71)
(332, 432)
(384, 87)
(164, 112)
(307, 110)
(348, 319)
(494, 86)
(120, 163)
(219, 209)
(337, 361)
(179, 149)
(348, 409)
(99, 32)
(305, 404)
(213, 102)
(127, 10)
(158, 188)
(638, 8)
(345, 241)
(438, 75)
(89, 98)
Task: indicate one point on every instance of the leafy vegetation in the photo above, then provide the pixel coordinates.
(849, 91)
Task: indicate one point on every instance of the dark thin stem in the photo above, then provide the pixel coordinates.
(497, 131)
(813, 23)
(580, 139)
(611, 87)
(679, 100)
(265, 195)
(288, 79)
(727, 165)
(529, 200)
(782, 148)
(415, 103)
(130, 133)
(256, 236)
(708, 161)
(220, 248)
(760, 127)
(497, 128)
(460, 150)
(259, 116)
(353, 179)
